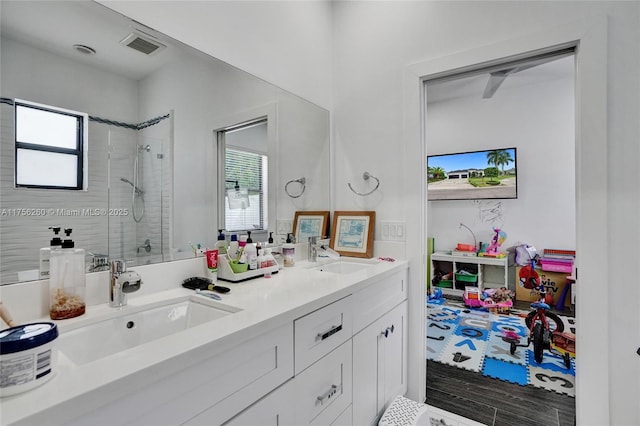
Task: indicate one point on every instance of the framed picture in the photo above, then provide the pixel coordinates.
(310, 224)
(352, 233)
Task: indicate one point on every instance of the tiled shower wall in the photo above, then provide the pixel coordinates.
(116, 233)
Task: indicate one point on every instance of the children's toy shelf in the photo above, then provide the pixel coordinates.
(464, 271)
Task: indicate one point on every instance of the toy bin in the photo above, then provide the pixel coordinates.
(466, 278)
(445, 284)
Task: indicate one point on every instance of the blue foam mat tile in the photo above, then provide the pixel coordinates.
(550, 361)
(435, 327)
(463, 352)
(472, 332)
(511, 323)
(505, 371)
(499, 349)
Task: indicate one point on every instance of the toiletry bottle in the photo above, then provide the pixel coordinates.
(251, 252)
(212, 264)
(67, 281)
(270, 240)
(289, 252)
(45, 253)
(221, 244)
(234, 247)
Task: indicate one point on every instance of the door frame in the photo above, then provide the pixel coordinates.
(590, 39)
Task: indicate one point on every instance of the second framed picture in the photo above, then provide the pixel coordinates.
(310, 224)
(352, 233)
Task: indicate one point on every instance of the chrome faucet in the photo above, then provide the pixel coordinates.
(121, 282)
(312, 255)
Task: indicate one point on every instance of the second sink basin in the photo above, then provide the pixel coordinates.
(103, 338)
(346, 266)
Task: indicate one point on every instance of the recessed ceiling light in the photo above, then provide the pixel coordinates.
(84, 49)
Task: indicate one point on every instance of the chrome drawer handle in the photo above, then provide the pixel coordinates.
(327, 396)
(331, 332)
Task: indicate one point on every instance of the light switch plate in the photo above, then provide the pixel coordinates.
(392, 230)
(284, 227)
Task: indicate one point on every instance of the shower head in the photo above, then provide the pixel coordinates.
(144, 148)
(136, 189)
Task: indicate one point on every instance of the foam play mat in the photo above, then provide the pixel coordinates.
(473, 340)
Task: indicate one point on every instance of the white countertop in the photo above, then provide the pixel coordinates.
(264, 303)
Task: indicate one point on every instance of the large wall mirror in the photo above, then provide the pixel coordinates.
(154, 108)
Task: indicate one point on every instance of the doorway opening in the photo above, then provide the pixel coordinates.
(527, 103)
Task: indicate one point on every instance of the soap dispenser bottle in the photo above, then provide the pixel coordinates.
(221, 244)
(233, 248)
(251, 252)
(289, 251)
(67, 280)
(45, 253)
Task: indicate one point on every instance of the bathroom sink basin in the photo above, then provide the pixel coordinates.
(345, 266)
(135, 326)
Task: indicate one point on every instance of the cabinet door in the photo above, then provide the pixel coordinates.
(380, 365)
(274, 409)
(395, 354)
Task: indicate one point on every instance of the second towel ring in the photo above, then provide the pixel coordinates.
(366, 176)
(302, 181)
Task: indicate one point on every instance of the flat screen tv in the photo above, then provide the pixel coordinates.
(474, 175)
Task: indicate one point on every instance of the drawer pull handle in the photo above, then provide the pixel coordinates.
(328, 394)
(386, 332)
(331, 332)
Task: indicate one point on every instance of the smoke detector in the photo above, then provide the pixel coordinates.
(87, 50)
(142, 43)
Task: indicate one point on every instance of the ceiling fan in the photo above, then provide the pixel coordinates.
(496, 78)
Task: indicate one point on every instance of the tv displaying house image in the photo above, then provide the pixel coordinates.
(475, 175)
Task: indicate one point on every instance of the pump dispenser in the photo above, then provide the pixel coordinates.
(67, 280)
(233, 248)
(289, 252)
(251, 252)
(221, 244)
(45, 253)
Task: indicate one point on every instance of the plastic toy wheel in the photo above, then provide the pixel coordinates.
(555, 323)
(538, 342)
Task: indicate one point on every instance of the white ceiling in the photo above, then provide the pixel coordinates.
(474, 86)
(56, 26)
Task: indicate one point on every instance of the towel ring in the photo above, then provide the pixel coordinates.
(366, 176)
(302, 181)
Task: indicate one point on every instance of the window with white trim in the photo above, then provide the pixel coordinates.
(245, 174)
(50, 147)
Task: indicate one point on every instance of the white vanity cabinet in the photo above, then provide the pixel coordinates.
(379, 349)
(212, 391)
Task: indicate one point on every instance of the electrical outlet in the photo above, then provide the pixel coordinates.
(392, 230)
(284, 227)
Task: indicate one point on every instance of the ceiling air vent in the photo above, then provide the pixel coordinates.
(143, 44)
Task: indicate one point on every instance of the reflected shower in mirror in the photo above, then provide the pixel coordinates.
(151, 158)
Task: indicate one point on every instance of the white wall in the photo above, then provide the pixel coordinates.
(374, 42)
(537, 119)
(253, 36)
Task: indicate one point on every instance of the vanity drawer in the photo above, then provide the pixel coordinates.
(378, 298)
(321, 331)
(323, 391)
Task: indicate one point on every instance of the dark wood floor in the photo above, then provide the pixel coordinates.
(495, 402)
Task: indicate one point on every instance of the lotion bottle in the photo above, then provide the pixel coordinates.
(251, 252)
(289, 252)
(233, 248)
(221, 244)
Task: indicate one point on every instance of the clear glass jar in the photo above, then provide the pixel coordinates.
(67, 284)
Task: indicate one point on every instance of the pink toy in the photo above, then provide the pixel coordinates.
(497, 241)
